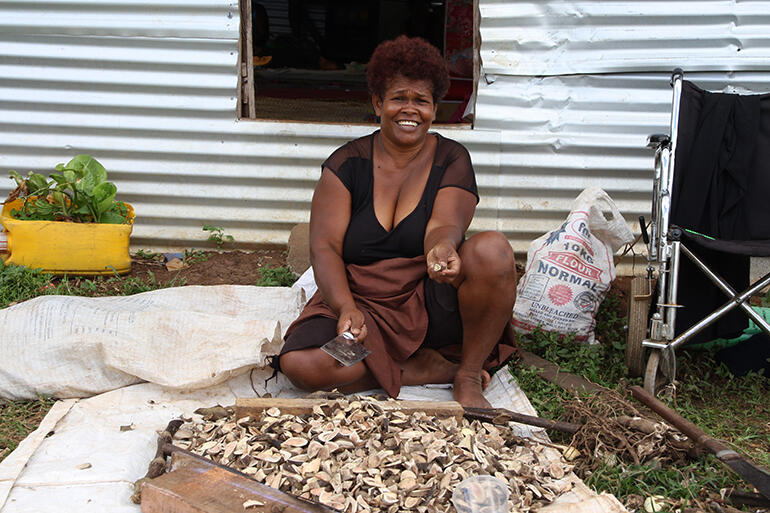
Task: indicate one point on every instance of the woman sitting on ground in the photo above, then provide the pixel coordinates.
(387, 244)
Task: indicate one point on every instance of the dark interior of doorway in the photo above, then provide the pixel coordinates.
(308, 57)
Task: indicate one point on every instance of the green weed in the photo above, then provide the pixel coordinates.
(600, 363)
(149, 255)
(276, 277)
(217, 235)
(191, 256)
(545, 396)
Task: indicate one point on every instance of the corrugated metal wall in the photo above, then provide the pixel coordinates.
(575, 88)
(569, 92)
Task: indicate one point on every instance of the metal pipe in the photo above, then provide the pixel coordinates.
(667, 179)
(751, 472)
(727, 289)
(668, 161)
(673, 290)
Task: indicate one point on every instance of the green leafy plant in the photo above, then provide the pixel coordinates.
(78, 193)
(191, 256)
(276, 277)
(217, 235)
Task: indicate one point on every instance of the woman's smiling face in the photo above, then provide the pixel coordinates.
(406, 110)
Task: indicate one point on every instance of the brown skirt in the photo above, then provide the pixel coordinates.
(403, 309)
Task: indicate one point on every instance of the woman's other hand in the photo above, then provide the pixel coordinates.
(443, 263)
(452, 213)
(352, 319)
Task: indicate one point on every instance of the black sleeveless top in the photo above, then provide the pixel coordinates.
(366, 241)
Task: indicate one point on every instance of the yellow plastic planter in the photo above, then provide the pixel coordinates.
(59, 247)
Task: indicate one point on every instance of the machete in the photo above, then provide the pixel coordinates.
(750, 472)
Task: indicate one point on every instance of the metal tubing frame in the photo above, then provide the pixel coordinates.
(673, 290)
(735, 301)
(660, 250)
(668, 166)
(661, 160)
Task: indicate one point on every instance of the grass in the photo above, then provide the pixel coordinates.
(736, 410)
(18, 419)
(678, 485)
(17, 283)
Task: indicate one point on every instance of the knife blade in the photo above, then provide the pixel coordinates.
(345, 349)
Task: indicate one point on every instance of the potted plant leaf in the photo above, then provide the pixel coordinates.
(69, 223)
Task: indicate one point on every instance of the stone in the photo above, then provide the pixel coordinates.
(298, 258)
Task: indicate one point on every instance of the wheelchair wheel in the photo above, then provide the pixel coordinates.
(654, 375)
(638, 310)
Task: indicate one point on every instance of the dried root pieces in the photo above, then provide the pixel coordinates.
(613, 429)
(354, 456)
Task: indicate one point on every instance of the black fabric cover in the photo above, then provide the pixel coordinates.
(752, 355)
(721, 186)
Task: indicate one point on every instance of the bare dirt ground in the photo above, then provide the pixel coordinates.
(245, 268)
(211, 267)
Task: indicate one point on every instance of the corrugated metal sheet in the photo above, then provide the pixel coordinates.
(560, 38)
(190, 19)
(150, 89)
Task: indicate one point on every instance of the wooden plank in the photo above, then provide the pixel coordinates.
(198, 486)
(249, 58)
(241, 110)
(254, 406)
(551, 372)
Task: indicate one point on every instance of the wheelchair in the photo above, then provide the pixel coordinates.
(709, 152)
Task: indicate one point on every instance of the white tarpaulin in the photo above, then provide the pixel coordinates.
(80, 460)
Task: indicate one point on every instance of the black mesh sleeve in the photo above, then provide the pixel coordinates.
(459, 169)
(345, 160)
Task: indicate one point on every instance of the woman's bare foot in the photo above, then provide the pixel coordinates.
(485, 379)
(468, 390)
(428, 366)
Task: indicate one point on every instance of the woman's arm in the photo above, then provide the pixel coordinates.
(329, 219)
(452, 214)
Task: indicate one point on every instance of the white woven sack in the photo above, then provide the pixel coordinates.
(569, 270)
(182, 337)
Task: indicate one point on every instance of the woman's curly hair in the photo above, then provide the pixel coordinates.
(411, 57)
